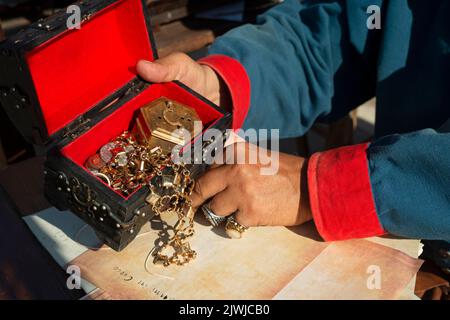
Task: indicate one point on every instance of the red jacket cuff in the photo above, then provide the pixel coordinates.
(341, 194)
(237, 81)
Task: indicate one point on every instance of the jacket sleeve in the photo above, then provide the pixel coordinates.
(398, 184)
(316, 60)
(300, 62)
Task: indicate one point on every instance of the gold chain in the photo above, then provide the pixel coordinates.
(127, 165)
(177, 187)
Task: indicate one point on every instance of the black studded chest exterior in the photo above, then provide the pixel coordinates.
(70, 91)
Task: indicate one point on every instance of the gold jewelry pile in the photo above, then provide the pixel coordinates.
(125, 165)
(143, 159)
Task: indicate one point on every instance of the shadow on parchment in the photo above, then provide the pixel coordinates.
(307, 230)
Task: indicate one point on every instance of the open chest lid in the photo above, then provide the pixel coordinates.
(71, 71)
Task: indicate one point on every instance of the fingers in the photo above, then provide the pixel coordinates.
(156, 72)
(222, 204)
(166, 69)
(211, 183)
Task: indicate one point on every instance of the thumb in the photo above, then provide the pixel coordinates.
(158, 71)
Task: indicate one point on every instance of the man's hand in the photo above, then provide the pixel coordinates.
(260, 200)
(179, 66)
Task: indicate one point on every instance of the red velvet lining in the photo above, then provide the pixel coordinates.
(79, 68)
(86, 145)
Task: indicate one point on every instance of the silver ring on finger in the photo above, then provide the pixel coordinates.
(213, 218)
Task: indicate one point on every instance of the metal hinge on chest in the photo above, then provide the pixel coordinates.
(48, 25)
(78, 127)
(82, 124)
(60, 21)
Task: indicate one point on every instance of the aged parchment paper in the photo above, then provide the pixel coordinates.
(275, 262)
(255, 267)
(349, 270)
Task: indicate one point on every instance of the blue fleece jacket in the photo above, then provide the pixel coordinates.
(317, 60)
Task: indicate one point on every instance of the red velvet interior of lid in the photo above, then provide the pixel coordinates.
(89, 143)
(79, 68)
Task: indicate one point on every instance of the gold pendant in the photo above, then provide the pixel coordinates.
(161, 122)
